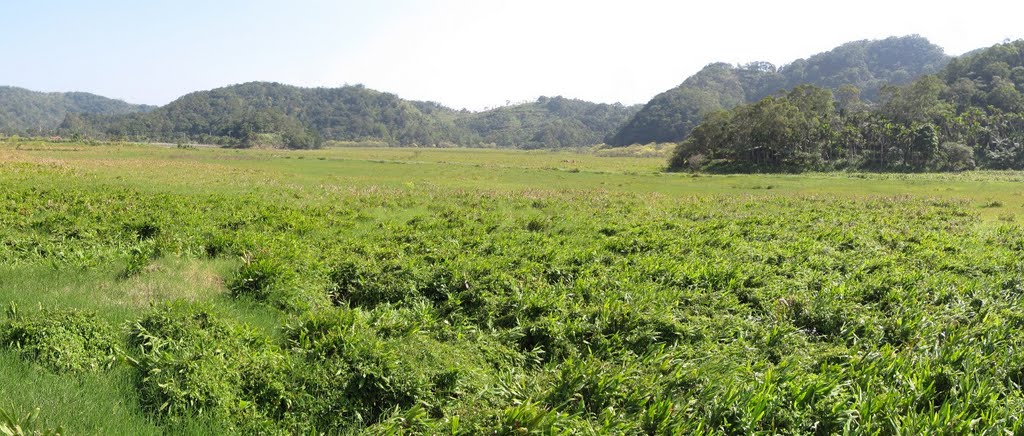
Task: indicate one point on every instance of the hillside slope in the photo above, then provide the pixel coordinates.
(282, 115)
(549, 122)
(22, 110)
(968, 116)
(866, 65)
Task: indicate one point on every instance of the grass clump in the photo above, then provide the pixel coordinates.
(61, 340)
(279, 281)
(28, 425)
(196, 365)
(367, 371)
(341, 370)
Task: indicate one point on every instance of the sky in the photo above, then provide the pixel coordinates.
(470, 54)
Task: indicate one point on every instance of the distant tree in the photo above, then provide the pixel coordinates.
(920, 102)
(923, 146)
(1004, 95)
(848, 99)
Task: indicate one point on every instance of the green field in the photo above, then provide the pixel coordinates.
(162, 290)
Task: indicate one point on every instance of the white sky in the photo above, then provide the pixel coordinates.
(461, 53)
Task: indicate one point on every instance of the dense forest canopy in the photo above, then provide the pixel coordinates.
(968, 115)
(866, 65)
(297, 117)
(548, 123)
(272, 114)
(22, 110)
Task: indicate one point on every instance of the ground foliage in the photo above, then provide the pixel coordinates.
(437, 310)
(63, 340)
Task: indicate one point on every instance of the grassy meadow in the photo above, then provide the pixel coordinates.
(154, 290)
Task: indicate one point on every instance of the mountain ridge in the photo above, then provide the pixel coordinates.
(969, 115)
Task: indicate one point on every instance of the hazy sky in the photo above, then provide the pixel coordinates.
(462, 53)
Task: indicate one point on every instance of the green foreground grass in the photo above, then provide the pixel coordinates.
(155, 290)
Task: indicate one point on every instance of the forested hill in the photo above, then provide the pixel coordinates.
(549, 122)
(22, 110)
(273, 114)
(861, 66)
(969, 115)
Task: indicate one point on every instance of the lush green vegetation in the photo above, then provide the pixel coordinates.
(969, 115)
(548, 123)
(473, 291)
(865, 65)
(23, 111)
(247, 114)
(280, 116)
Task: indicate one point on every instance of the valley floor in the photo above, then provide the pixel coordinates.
(153, 289)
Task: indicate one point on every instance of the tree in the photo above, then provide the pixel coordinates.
(1004, 96)
(848, 99)
(920, 102)
(923, 146)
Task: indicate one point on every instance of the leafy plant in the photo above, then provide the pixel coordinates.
(61, 340)
(29, 425)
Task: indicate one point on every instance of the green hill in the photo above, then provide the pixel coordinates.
(22, 110)
(277, 115)
(969, 115)
(299, 117)
(273, 114)
(549, 122)
(865, 65)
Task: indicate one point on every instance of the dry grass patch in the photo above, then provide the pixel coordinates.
(170, 279)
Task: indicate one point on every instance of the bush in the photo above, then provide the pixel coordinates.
(193, 363)
(262, 278)
(62, 340)
(276, 280)
(364, 283)
(359, 377)
(951, 156)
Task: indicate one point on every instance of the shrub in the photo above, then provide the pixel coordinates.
(260, 278)
(358, 376)
(139, 257)
(364, 283)
(278, 281)
(62, 340)
(193, 363)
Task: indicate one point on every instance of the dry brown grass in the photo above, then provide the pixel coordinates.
(166, 280)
